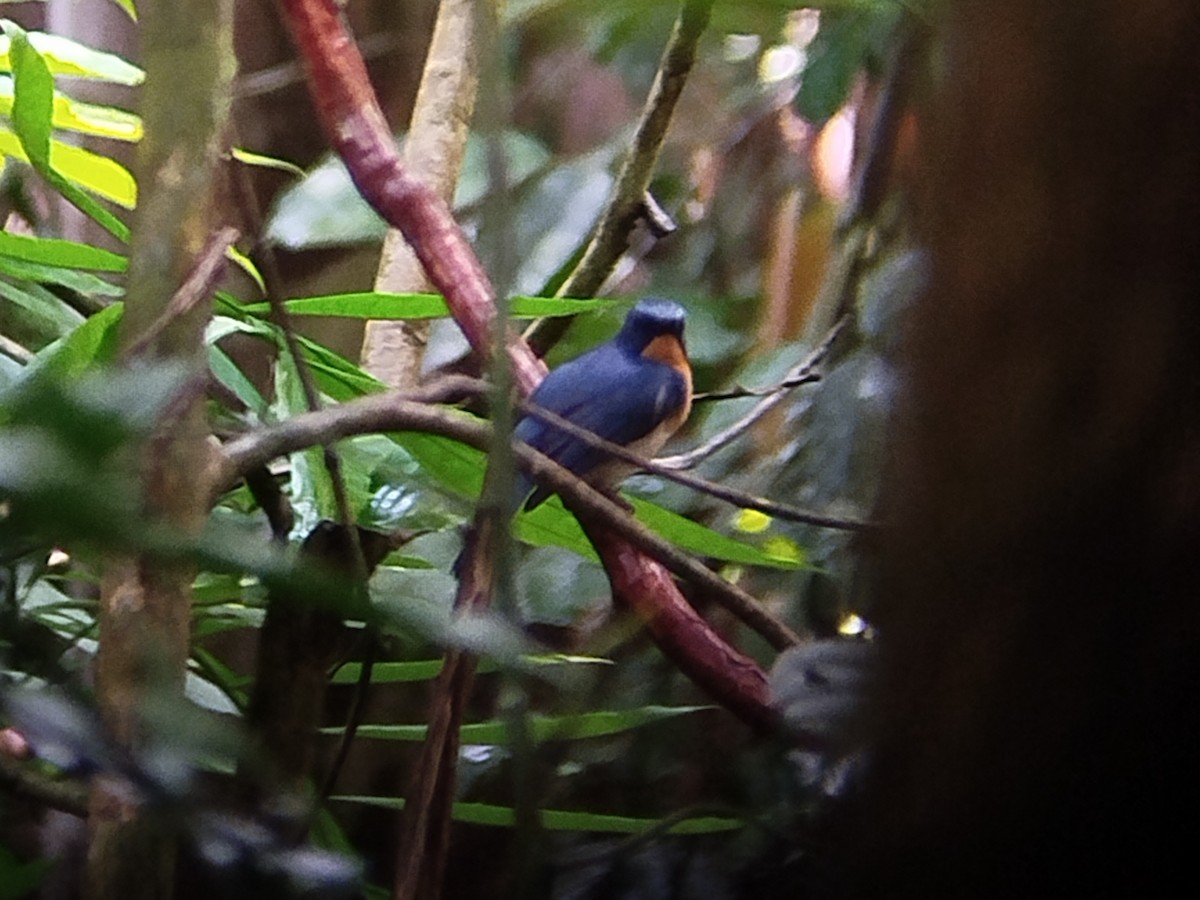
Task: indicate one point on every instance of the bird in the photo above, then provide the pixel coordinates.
(634, 390)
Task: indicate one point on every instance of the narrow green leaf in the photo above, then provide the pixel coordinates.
(33, 95)
(703, 541)
(67, 57)
(390, 672)
(226, 371)
(43, 303)
(129, 8)
(246, 264)
(428, 669)
(267, 162)
(81, 282)
(562, 820)
(56, 252)
(97, 173)
(82, 118)
(542, 728)
(376, 305)
(95, 341)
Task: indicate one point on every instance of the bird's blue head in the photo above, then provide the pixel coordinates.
(651, 318)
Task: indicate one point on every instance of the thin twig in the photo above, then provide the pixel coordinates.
(740, 392)
(722, 438)
(721, 492)
(628, 201)
(28, 780)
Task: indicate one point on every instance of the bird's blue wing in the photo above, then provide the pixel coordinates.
(619, 397)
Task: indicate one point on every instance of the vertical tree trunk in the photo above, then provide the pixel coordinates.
(145, 607)
(1038, 723)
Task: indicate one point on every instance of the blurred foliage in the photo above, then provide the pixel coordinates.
(620, 740)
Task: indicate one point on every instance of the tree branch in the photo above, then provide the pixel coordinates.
(630, 199)
(396, 412)
(801, 374)
(351, 116)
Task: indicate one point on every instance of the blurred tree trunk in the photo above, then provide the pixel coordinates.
(1038, 718)
(146, 607)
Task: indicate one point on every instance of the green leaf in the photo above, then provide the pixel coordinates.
(377, 305)
(41, 302)
(428, 669)
(246, 264)
(99, 174)
(67, 57)
(847, 38)
(128, 6)
(563, 820)
(551, 525)
(703, 541)
(83, 118)
(60, 164)
(542, 728)
(56, 252)
(93, 342)
(267, 162)
(33, 95)
(390, 672)
(226, 371)
(81, 282)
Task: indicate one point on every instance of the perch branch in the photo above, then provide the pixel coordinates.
(394, 412)
(630, 200)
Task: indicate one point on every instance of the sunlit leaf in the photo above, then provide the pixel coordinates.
(246, 264)
(703, 541)
(97, 173)
(376, 305)
(128, 6)
(67, 57)
(267, 162)
(57, 252)
(83, 118)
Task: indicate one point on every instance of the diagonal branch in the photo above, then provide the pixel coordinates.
(631, 199)
(352, 118)
(381, 413)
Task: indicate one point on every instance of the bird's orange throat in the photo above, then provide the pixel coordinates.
(668, 350)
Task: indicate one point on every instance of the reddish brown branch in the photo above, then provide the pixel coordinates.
(351, 116)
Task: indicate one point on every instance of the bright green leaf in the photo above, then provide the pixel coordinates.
(376, 305)
(246, 264)
(56, 252)
(67, 57)
(83, 118)
(267, 162)
(129, 8)
(81, 282)
(703, 541)
(33, 96)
